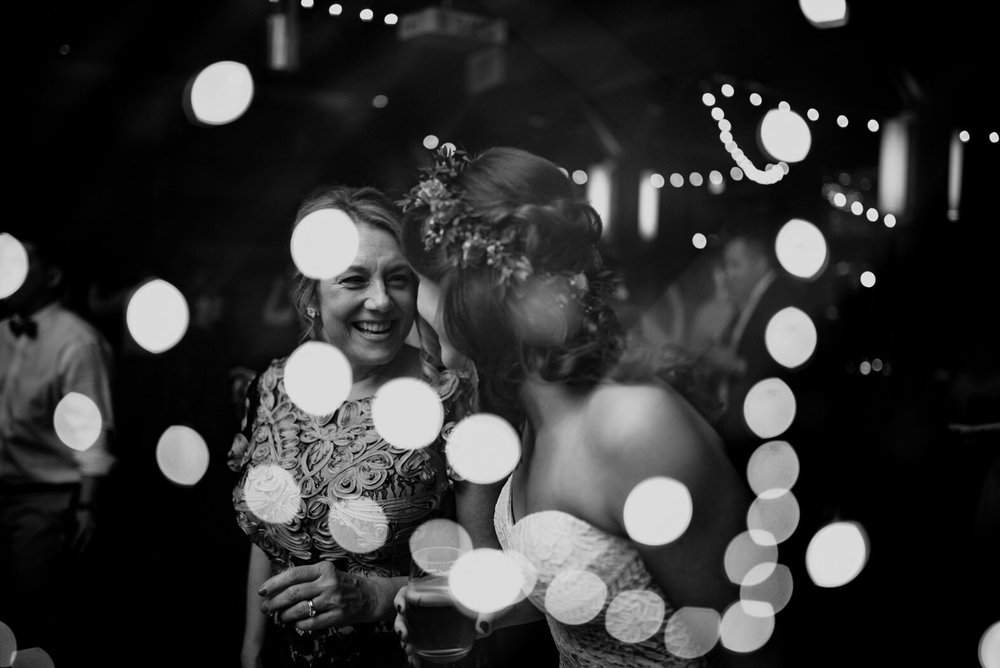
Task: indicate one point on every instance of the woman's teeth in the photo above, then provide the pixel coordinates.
(373, 327)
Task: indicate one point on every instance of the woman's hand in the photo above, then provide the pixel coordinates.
(401, 630)
(318, 596)
(484, 627)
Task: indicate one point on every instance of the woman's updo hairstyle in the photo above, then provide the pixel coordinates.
(514, 329)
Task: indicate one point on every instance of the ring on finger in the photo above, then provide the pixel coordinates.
(312, 608)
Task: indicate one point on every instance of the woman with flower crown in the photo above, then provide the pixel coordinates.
(511, 279)
(327, 502)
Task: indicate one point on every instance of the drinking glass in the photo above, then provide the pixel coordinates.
(440, 629)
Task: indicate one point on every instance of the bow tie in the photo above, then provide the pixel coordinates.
(28, 327)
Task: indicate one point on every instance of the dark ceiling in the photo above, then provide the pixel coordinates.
(102, 136)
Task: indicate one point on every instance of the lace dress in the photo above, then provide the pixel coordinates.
(331, 488)
(601, 604)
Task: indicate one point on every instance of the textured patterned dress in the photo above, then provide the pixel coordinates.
(602, 606)
(331, 488)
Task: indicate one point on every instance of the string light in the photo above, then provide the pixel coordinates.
(769, 175)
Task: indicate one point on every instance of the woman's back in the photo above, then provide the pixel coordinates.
(562, 511)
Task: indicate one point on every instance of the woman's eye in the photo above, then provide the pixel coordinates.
(401, 281)
(352, 281)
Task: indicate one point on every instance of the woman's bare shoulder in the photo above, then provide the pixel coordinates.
(641, 410)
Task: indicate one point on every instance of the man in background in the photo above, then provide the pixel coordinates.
(758, 288)
(49, 489)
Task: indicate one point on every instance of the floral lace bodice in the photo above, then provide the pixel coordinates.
(314, 488)
(331, 487)
(603, 608)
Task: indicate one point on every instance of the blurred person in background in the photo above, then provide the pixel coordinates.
(317, 596)
(511, 279)
(758, 288)
(692, 311)
(50, 490)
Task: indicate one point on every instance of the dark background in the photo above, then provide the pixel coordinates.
(105, 157)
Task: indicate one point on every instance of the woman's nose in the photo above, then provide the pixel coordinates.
(378, 297)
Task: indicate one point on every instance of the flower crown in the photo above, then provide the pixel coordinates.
(469, 242)
(451, 224)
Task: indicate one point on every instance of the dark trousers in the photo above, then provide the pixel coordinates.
(38, 595)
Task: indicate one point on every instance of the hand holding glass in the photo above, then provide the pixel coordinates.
(439, 628)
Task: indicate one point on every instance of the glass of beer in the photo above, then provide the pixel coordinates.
(440, 629)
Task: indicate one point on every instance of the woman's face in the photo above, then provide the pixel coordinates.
(429, 307)
(368, 310)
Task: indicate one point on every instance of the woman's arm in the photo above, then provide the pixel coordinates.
(255, 626)
(474, 505)
(658, 434)
(663, 436)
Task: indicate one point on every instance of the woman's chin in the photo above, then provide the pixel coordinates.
(379, 353)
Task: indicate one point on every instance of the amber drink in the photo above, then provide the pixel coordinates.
(439, 628)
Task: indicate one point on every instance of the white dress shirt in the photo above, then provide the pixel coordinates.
(66, 355)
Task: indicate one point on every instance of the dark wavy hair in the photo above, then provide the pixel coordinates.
(510, 187)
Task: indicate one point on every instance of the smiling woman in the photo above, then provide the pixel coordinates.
(367, 310)
(327, 501)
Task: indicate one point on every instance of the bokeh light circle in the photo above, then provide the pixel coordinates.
(989, 647)
(772, 591)
(359, 525)
(773, 468)
(575, 596)
(483, 448)
(745, 554)
(13, 265)
(785, 135)
(324, 243)
(271, 494)
(769, 408)
(825, 13)
(657, 511)
(157, 315)
(486, 580)
(317, 377)
(692, 632)
(8, 645)
(221, 93)
(836, 554)
(182, 455)
(790, 337)
(801, 248)
(634, 615)
(743, 632)
(33, 657)
(407, 413)
(777, 517)
(77, 421)
(439, 532)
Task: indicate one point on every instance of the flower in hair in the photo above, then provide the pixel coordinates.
(451, 224)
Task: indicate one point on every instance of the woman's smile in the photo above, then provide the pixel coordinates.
(375, 330)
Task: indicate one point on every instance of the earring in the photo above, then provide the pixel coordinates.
(311, 311)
